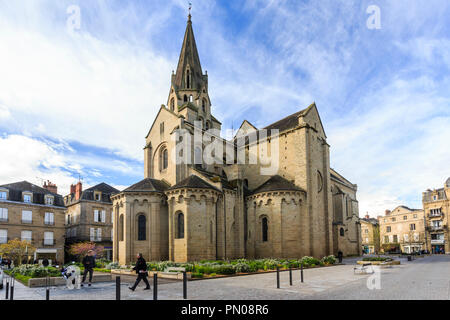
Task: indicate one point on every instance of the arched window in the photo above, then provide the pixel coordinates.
(198, 157)
(191, 98)
(180, 226)
(207, 125)
(204, 105)
(188, 79)
(342, 232)
(164, 159)
(246, 183)
(172, 104)
(185, 98)
(121, 227)
(142, 222)
(265, 229)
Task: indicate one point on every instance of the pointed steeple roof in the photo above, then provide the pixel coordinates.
(189, 57)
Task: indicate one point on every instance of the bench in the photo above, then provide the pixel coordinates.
(363, 268)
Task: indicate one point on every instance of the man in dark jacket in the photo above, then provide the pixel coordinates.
(89, 265)
(141, 270)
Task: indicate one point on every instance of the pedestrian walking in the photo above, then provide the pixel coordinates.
(340, 255)
(89, 265)
(141, 270)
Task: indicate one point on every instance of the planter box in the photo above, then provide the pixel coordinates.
(60, 281)
(162, 275)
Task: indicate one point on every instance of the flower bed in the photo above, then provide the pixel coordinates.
(212, 268)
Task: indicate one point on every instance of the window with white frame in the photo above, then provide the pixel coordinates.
(49, 218)
(3, 195)
(96, 216)
(49, 200)
(3, 214)
(99, 216)
(96, 234)
(48, 239)
(27, 216)
(103, 216)
(26, 235)
(3, 236)
(27, 197)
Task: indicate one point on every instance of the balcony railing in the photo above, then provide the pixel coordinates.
(88, 238)
(435, 215)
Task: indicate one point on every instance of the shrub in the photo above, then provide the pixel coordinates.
(309, 261)
(242, 267)
(197, 275)
(329, 260)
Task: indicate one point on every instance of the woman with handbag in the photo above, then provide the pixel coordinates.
(141, 270)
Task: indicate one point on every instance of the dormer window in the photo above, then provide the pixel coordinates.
(97, 196)
(49, 200)
(27, 197)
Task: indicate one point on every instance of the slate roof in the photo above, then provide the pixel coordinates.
(88, 194)
(370, 220)
(148, 185)
(193, 182)
(277, 183)
(16, 189)
(290, 121)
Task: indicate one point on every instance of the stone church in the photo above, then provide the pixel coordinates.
(190, 211)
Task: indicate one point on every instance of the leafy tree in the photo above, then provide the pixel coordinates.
(17, 250)
(81, 249)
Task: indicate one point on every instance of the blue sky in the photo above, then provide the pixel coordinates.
(82, 103)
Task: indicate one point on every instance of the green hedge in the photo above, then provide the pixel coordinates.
(209, 267)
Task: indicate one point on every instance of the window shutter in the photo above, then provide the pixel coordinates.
(99, 234)
(92, 230)
(103, 216)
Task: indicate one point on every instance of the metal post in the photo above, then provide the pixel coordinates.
(278, 277)
(7, 289)
(301, 272)
(155, 286)
(47, 294)
(118, 288)
(11, 296)
(290, 276)
(184, 285)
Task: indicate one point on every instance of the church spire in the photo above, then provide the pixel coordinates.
(189, 73)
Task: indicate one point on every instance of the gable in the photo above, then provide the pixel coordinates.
(163, 114)
(311, 117)
(245, 128)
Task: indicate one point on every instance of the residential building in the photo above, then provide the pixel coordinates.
(89, 216)
(35, 214)
(436, 204)
(370, 235)
(402, 230)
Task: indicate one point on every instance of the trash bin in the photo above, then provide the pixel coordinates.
(409, 258)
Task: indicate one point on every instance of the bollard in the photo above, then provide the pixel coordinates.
(155, 286)
(11, 296)
(290, 276)
(301, 272)
(7, 290)
(184, 285)
(118, 288)
(47, 294)
(278, 277)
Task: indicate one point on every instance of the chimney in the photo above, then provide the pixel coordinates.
(367, 216)
(72, 189)
(78, 190)
(50, 186)
(387, 212)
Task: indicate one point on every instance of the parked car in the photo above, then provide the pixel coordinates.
(1, 278)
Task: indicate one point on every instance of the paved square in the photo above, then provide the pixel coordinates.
(422, 279)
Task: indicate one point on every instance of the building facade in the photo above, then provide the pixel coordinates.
(31, 213)
(402, 230)
(199, 209)
(370, 235)
(89, 216)
(436, 204)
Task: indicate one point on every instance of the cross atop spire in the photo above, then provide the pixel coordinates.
(190, 8)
